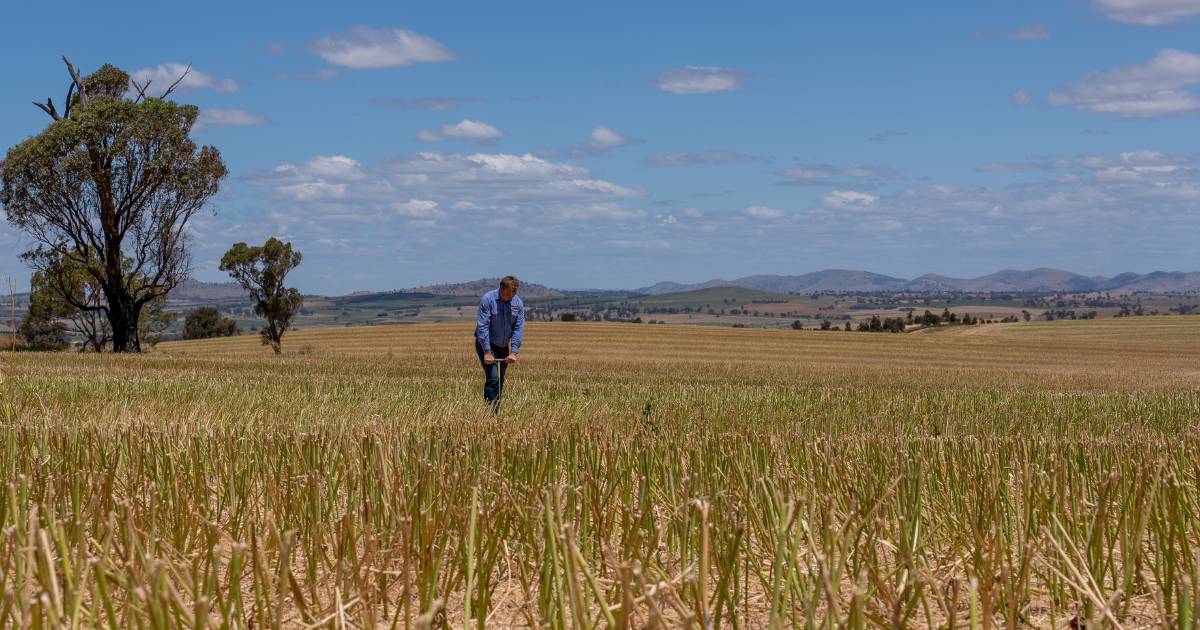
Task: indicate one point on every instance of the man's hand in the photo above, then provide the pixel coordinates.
(488, 359)
(510, 359)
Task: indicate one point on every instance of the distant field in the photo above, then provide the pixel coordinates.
(1023, 474)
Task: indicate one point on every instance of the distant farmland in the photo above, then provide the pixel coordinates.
(993, 476)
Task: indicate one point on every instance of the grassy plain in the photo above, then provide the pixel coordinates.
(995, 476)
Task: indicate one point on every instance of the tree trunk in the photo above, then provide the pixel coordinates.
(123, 315)
(275, 336)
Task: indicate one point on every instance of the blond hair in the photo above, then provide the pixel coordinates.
(509, 282)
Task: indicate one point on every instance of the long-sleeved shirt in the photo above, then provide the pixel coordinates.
(499, 322)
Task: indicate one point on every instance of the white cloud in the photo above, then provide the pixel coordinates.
(1037, 30)
(417, 208)
(605, 211)
(604, 139)
(765, 213)
(1020, 98)
(311, 191)
(829, 174)
(477, 182)
(1156, 88)
(839, 199)
(365, 47)
(462, 130)
(164, 74)
(337, 167)
(1148, 12)
(699, 80)
(222, 118)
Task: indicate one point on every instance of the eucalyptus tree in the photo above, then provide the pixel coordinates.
(109, 187)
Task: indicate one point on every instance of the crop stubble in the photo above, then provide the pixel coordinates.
(1031, 474)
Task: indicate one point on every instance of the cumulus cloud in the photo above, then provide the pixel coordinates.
(832, 175)
(417, 208)
(336, 167)
(1092, 196)
(604, 139)
(426, 184)
(1148, 12)
(1155, 88)
(427, 103)
(839, 199)
(699, 80)
(705, 157)
(164, 74)
(600, 140)
(222, 118)
(765, 213)
(365, 47)
(463, 130)
(1020, 98)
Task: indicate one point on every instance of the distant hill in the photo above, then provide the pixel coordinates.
(197, 291)
(481, 286)
(1009, 280)
(826, 280)
(675, 287)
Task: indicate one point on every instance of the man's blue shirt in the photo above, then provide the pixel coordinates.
(499, 322)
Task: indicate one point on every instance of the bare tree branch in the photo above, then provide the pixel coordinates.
(48, 107)
(70, 97)
(177, 82)
(141, 89)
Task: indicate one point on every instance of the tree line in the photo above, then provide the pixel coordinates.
(105, 192)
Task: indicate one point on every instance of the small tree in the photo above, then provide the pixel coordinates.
(70, 292)
(154, 320)
(40, 328)
(262, 271)
(206, 322)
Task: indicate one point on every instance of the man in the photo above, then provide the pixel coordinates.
(498, 331)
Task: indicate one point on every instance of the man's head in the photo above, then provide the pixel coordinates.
(508, 287)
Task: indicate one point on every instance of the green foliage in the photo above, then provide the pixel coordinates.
(262, 271)
(43, 333)
(68, 290)
(113, 182)
(154, 319)
(206, 322)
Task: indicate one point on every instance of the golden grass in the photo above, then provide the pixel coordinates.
(1024, 474)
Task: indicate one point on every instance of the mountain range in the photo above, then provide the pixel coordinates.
(1041, 280)
(1009, 280)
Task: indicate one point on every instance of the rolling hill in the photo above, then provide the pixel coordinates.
(1041, 280)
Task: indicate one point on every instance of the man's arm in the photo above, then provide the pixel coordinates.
(518, 329)
(483, 321)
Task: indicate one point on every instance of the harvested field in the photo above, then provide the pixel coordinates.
(1037, 474)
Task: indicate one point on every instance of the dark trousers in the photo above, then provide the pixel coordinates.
(493, 374)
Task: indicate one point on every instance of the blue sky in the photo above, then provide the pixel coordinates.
(617, 144)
